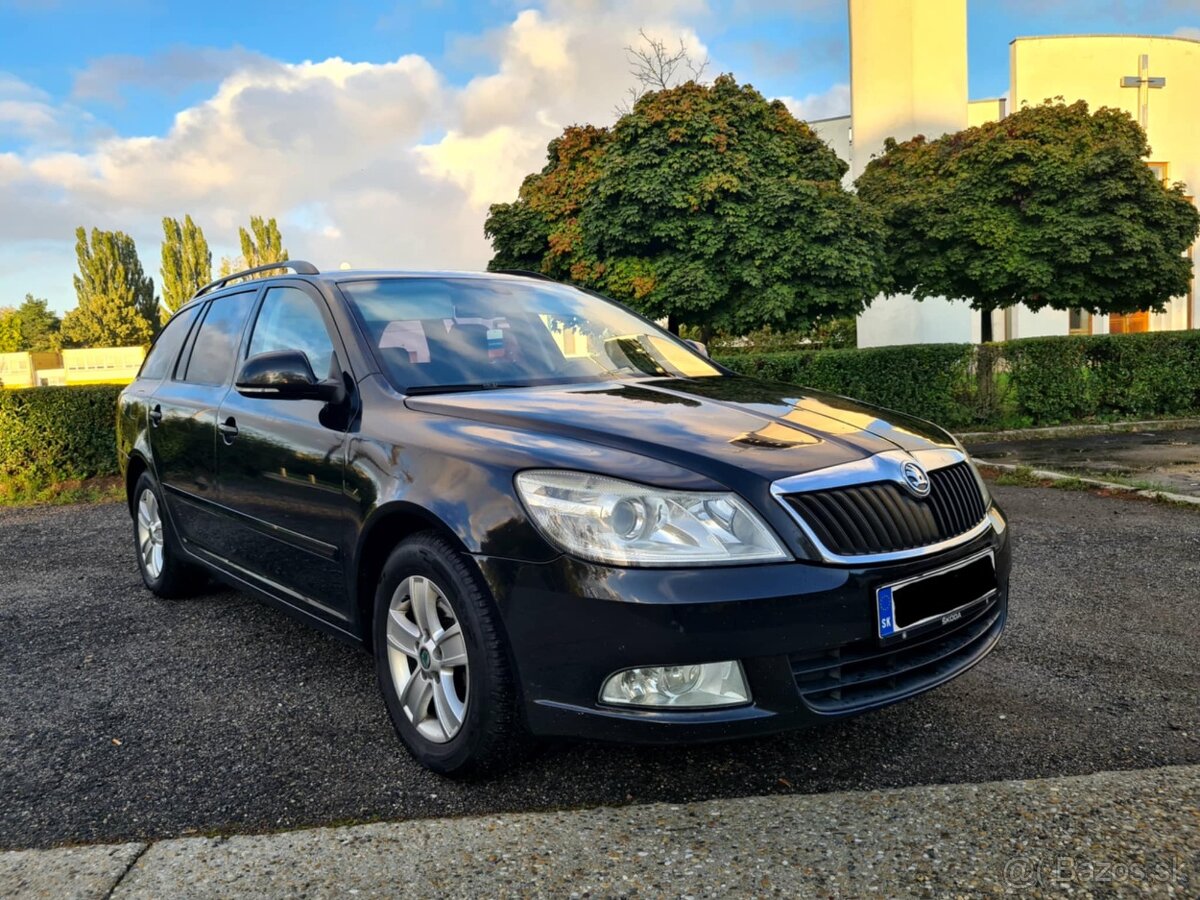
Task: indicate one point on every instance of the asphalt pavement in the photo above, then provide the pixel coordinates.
(125, 717)
(1167, 458)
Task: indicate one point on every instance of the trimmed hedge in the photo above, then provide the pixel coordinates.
(54, 434)
(926, 380)
(1034, 381)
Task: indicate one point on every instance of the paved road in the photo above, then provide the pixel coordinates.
(1169, 458)
(1130, 833)
(124, 717)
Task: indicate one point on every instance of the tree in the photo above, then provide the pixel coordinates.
(1052, 206)
(29, 327)
(262, 244)
(655, 68)
(707, 205)
(117, 306)
(10, 331)
(186, 262)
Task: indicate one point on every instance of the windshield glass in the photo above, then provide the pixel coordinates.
(431, 333)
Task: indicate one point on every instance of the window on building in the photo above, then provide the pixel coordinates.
(1160, 169)
(216, 343)
(1079, 321)
(290, 320)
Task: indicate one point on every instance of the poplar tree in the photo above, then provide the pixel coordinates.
(117, 306)
(186, 262)
(262, 244)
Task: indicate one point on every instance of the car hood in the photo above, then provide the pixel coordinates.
(770, 429)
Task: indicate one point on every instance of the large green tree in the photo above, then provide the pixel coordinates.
(705, 204)
(29, 327)
(186, 262)
(1050, 206)
(10, 331)
(117, 306)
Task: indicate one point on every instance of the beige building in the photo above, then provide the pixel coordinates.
(908, 76)
(94, 365)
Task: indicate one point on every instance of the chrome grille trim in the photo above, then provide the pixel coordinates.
(957, 508)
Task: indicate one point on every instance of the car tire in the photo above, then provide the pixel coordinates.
(164, 570)
(427, 695)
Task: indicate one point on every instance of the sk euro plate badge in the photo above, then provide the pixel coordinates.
(887, 617)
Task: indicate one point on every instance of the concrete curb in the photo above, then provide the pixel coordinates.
(1053, 431)
(1136, 831)
(1048, 475)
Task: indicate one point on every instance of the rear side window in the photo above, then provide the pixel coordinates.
(290, 320)
(167, 345)
(216, 344)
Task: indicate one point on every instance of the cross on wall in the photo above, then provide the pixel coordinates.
(1143, 82)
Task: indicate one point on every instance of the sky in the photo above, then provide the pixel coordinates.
(379, 132)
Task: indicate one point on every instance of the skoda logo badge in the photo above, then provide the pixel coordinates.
(916, 479)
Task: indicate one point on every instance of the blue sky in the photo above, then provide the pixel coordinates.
(81, 83)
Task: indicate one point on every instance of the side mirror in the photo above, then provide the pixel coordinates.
(698, 347)
(286, 375)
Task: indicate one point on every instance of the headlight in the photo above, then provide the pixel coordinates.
(612, 521)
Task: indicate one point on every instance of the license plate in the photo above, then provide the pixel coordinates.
(935, 598)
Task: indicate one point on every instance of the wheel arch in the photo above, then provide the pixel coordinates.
(383, 532)
(133, 471)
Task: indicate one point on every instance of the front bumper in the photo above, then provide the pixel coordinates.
(805, 633)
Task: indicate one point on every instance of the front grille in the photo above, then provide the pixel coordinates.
(863, 674)
(884, 517)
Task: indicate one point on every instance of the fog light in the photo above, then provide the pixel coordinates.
(708, 684)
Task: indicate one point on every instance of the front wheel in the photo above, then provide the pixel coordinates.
(442, 662)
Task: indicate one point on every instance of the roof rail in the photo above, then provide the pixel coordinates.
(540, 276)
(299, 266)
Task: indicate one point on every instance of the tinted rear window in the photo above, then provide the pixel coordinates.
(217, 342)
(161, 359)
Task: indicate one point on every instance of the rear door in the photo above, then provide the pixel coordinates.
(183, 419)
(280, 462)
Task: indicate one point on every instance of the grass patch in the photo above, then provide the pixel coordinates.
(1024, 476)
(23, 492)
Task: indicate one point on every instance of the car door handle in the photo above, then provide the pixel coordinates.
(228, 429)
(156, 416)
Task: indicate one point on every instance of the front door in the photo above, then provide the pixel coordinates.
(279, 464)
(183, 420)
(1129, 323)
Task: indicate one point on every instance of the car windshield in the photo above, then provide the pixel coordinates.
(440, 334)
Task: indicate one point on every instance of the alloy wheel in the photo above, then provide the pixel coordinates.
(150, 534)
(427, 656)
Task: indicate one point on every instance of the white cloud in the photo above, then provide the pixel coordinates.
(379, 164)
(823, 105)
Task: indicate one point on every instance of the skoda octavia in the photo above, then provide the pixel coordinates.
(544, 515)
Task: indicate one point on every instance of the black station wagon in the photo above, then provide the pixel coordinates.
(546, 515)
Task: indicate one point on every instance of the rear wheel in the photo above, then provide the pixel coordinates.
(442, 662)
(163, 568)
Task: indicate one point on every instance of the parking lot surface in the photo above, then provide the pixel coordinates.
(1168, 459)
(124, 717)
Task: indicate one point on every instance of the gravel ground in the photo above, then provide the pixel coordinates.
(124, 717)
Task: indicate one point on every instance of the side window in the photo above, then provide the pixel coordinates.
(290, 320)
(216, 343)
(167, 345)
